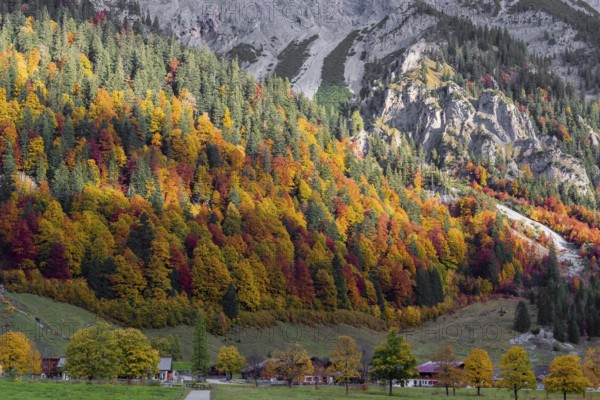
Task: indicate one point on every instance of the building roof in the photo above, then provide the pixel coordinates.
(431, 367)
(165, 364)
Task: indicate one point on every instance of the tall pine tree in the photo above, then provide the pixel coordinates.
(230, 302)
(522, 321)
(200, 358)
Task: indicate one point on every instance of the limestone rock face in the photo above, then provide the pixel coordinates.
(258, 32)
(459, 127)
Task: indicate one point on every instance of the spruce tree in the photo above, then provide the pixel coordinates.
(545, 307)
(423, 292)
(379, 294)
(200, 358)
(437, 287)
(552, 271)
(573, 330)
(558, 329)
(340, 282)
(7, 172)
(522, 321)
(230, 302)
(139, 239)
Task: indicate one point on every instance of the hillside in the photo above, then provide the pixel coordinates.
(486, 325)
(145, 180)
(349, 36)
(50, 324)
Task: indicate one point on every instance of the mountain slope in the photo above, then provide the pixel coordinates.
(490, 326)
(333, 51)
(429, 109)
(160, 179)
(553, 29)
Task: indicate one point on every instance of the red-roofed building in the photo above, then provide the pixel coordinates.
(427, 374)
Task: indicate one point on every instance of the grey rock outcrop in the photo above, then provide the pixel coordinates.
(460, 127)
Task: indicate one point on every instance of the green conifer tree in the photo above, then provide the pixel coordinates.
(200, 357)
(230, 302)
(522, 322)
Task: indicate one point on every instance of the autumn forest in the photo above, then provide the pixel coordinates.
(144, 180)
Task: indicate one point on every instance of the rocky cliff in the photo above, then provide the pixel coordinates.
(354, 33)
(452, 126)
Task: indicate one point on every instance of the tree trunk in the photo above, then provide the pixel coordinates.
(516, 394)
(478, 390)
(565, 395)
(447, 393)
(390, 387)
(290, 383)
(346, 388)
(453, 390)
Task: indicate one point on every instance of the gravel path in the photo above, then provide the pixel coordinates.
(198, 395)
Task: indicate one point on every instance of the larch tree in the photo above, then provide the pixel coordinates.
(210, 274)
(479, 369)
(591, 367)
(345, 360)
(515, 371)
(566, 376)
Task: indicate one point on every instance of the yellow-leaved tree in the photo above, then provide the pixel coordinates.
(92, 353)
(591, 367)
(230, 361)
(101, 352)
(479, 369)
(292, 363)
(209, 273)
(566, 376)
(515, 371)
(137, 357)
(345, 360)
(19, 355)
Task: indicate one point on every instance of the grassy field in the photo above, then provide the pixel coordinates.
(231, 392)
(484, 325)
(55, 325)
(319, 340)
(81, 391)
(182, 365)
